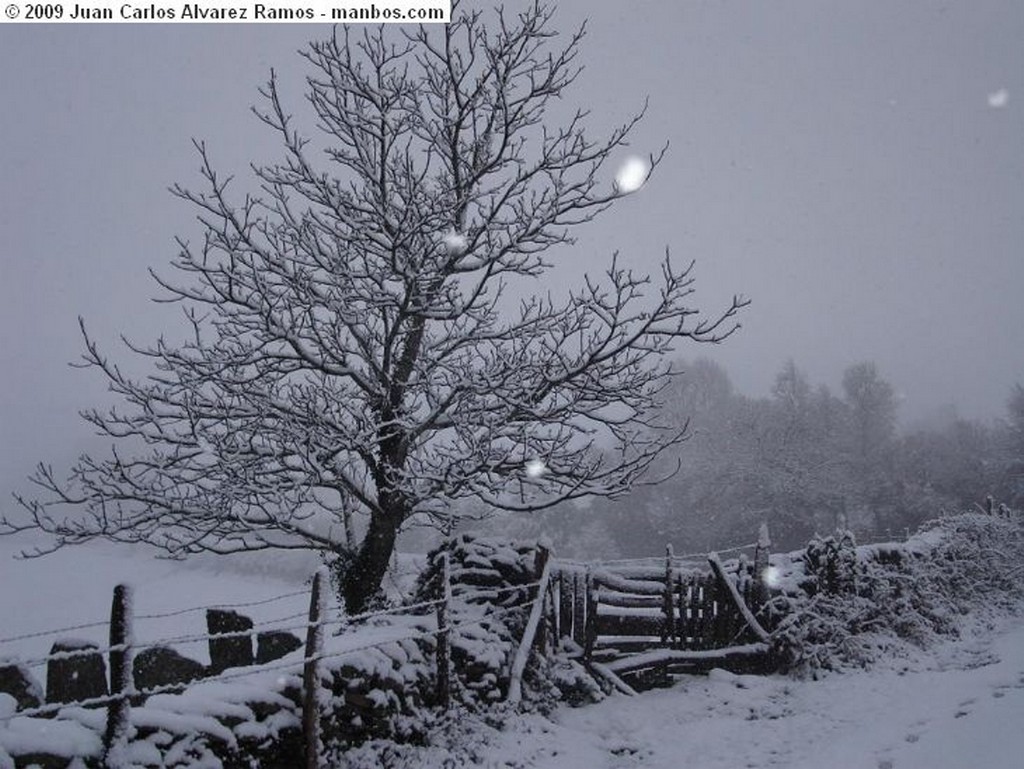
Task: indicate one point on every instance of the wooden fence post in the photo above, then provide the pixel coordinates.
(444, 655)
(544, 629)
(115, 738)
(669, 630)
(764, 544)
(311, 671)
(590, 624)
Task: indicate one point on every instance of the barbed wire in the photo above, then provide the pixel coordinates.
(197, 637)
(91, 650)
(44, 633)
(245, 605)
(163, 615)
(108, 699)
(486, 592)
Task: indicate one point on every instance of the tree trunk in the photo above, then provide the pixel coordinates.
(364, 576)
(350, 529)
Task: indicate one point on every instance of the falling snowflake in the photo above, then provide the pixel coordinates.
(455, 242)
(999, 98)
(771, 576)
(535, 468)
(632, 174)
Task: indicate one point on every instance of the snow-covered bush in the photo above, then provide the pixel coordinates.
(832, 562)
(851, 604)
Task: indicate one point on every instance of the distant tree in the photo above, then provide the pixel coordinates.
(349, 352)
(700, 392)
(792, 392)
(871, 401)
(948, 466)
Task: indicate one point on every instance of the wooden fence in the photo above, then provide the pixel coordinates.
(615, 615)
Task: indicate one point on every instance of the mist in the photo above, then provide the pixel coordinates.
(855, 170)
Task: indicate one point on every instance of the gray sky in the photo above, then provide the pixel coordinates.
(837, 162)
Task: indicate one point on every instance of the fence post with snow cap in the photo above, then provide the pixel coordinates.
(764, 543)
(311, 670)
(115, 738)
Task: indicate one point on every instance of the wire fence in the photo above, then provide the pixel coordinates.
(524, 597)
(304, 673)
(259, 670)
(162, 615)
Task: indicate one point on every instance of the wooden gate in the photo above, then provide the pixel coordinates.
(643, 622)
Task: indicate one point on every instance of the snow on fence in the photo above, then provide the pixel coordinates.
(618, 614)
(72, 661)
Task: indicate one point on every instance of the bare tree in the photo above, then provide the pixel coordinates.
(351, 351)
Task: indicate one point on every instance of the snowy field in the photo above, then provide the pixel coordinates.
(75, 586)
(958, 706)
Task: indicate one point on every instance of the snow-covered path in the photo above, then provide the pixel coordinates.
(961, 706)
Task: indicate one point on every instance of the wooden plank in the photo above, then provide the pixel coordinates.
(604, 610)
(607, 597)
(670, 656)
(617, 683)
(620, 583)
(654, 572)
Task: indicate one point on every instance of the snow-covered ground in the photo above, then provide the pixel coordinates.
(957, 706)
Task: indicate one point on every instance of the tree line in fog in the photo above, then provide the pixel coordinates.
(804, 459)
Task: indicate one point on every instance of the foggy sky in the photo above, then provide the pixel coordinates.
(839, 163)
